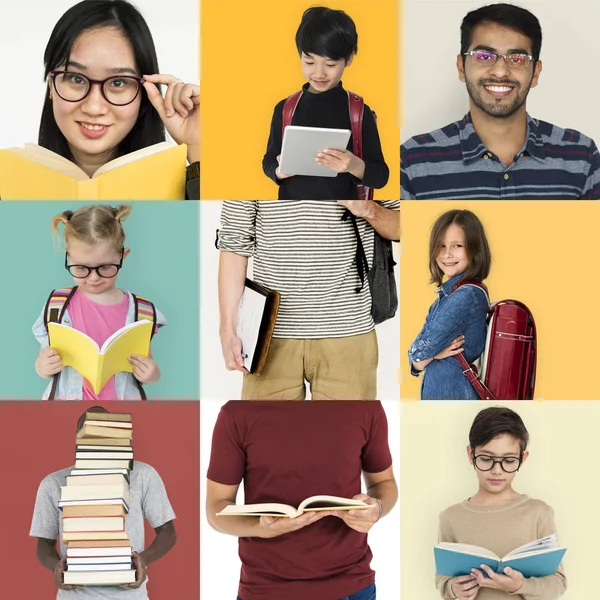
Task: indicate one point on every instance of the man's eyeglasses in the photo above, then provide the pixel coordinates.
(74, 87)
(489, 59)
(83, 271)
(509, 464)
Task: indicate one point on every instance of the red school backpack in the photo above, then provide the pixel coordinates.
(507, 367)
(356, 106)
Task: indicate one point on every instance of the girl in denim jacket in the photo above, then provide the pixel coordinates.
(456, 323)
(95, 251)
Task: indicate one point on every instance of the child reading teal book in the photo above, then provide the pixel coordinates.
(95, 251)
(513, 528)
(327, 42)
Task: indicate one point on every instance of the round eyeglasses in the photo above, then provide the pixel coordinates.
(509, 464)
(118, 90)
(83, 271)
(489, 59)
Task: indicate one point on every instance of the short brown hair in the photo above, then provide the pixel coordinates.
(476, 245)
(494, 421)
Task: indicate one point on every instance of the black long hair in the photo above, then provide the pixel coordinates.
(92, 14)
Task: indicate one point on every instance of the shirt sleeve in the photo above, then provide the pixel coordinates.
(155, 502)
(465, 304)
(592, 183)
(269, 163)
(46, 513)
(549, 587)
(377, 172)
(406, 192)
(39, 330)
(160, 320)
(227, 457)
(376, 456)
(238, 227)
(442, 582)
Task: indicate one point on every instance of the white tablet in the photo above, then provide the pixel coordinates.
(301, 146)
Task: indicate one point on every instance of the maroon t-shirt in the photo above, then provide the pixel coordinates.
(285, 452)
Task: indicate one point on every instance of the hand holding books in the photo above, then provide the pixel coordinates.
(140, 571)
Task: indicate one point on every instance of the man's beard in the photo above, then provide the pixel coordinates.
(499, 110)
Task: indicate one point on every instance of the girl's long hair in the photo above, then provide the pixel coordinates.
(95, 14)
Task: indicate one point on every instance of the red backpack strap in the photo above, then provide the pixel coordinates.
(356, 106)
(289, 108)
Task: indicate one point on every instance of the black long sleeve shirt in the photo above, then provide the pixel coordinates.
(330, 110)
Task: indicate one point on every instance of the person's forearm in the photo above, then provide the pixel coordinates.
(359, 170)
(385, 221)
(232, 276)
(193, 153)
(387, 493)
(48, 556)
(162, 543)
(238, 526)
(420, 365)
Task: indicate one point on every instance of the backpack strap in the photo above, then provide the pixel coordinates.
(469, 370)
(356, 107)
(144, 310)
(54, 311)
(289, 108)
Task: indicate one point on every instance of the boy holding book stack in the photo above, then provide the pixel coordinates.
(103, 500)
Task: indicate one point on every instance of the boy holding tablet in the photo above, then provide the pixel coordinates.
(497, 517)
(327, 42)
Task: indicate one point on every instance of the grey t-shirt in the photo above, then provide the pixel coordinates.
(148, 499)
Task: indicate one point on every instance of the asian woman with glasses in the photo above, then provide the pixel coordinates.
(103, 97)
(95, 251)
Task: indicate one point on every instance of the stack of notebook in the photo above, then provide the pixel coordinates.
(95, 503)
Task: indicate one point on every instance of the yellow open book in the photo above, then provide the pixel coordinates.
(35, 173)
(274, 509)
(96, 364)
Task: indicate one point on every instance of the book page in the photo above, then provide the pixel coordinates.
(330, 503)
(50, 159)
(250, 314)
(133, 156)
(468, 549)
(254, 510)
(549, 542)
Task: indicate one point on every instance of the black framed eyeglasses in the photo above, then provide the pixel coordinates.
(118, 90)
(489, 59)
(83, 271)
(509, 464)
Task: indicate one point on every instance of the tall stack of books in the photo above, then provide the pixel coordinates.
(95, 503)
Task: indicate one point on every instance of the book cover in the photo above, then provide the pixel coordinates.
(35, 173)
(98, 365)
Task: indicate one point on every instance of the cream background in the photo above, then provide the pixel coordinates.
(561, 471)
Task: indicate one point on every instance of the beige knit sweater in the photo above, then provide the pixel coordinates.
(502, 528)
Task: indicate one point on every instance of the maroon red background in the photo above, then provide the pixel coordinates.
(37, 438)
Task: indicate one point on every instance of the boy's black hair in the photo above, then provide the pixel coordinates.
(506, 15)
(95, 14)
(81, 420)
(494, 421)
(327, 32)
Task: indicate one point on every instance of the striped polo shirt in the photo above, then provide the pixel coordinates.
(453, 163)
(304, 250)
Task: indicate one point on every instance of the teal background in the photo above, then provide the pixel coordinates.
(163, 266)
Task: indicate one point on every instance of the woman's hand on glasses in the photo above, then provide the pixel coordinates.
(179, 110)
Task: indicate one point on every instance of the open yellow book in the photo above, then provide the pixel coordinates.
(36, 173)
(96, 364)
(312, 504)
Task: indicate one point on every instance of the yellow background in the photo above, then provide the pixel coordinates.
(561, 471)
(542, 255)
(250, 63)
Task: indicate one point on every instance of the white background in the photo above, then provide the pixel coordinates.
(567, 92)
(219, 562)
(219, 384)
(25, 28)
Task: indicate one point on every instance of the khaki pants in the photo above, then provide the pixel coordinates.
(336, 369)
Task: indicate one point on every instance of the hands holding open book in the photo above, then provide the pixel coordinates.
(466, 587)
(179, 110)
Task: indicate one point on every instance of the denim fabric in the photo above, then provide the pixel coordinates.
(368, 593)
(70, 382)
(463, 311)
